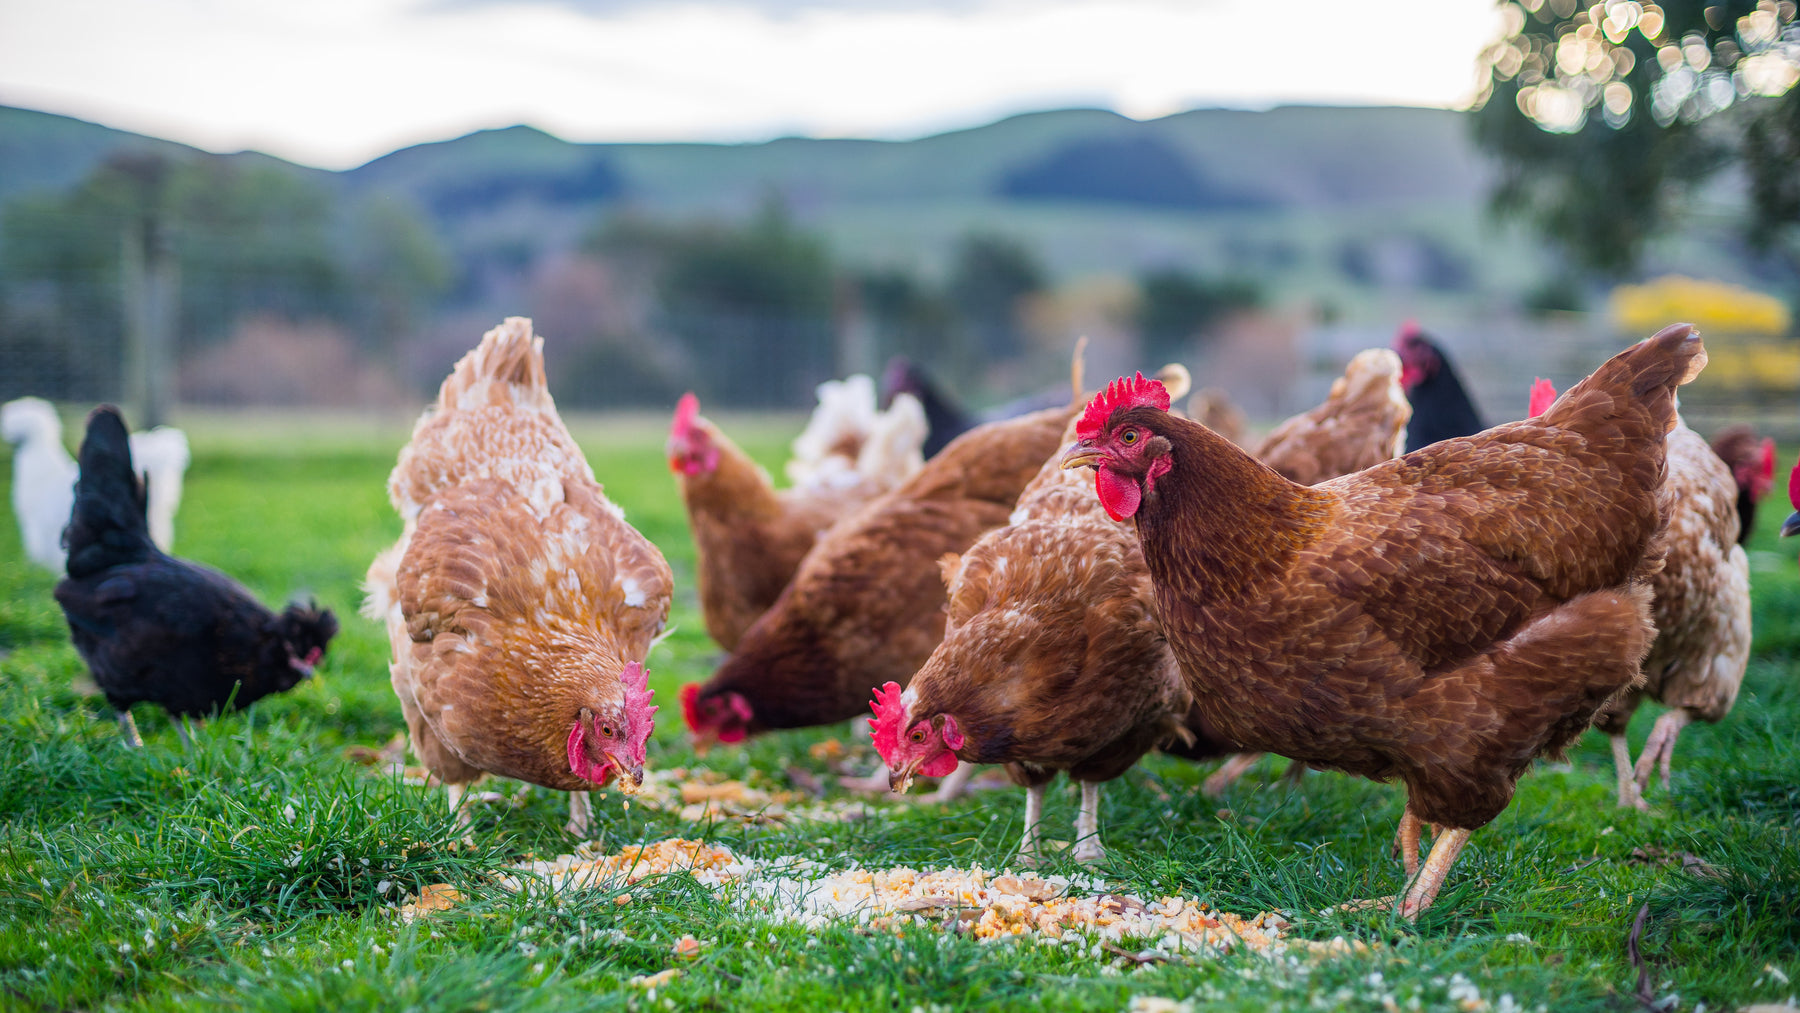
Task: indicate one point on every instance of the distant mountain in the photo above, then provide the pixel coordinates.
(1296, 195)
(1301, 156)
(45, 151)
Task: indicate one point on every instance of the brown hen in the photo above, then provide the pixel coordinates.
(1442, 619)
(1702, 606)
(867, 604)
(1361, 423)
(1051, 660)
(519, 604)
(749, 537)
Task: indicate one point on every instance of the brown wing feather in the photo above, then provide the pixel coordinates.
(1440, 618)
(867, 604)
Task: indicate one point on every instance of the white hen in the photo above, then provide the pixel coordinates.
(44, 474)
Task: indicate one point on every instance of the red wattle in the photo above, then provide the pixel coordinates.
(1119, 495)
(941, 765)
(580, 764)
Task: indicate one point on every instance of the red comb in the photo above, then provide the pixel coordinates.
(1794, 485)
(889, 713)
(685, 410)
(638, 709)
(1121, 393)
(1543, 395)
(1766, 464)
(1409, 328)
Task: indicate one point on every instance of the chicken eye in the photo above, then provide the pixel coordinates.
(606, 730)
(1128, 436)
(918, 735)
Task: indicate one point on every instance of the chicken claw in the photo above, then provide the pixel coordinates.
(1659, 749)
(1630, 796)
(1424, 888)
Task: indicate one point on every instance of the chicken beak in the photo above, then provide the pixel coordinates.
(631, 775)
(1081, 456)
(1791, 526)
(900, 780)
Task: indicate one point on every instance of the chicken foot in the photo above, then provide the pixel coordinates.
(581, 814)
(1087, 826)
(1239, 764)
(1424, 887)
(1034, 815)
(454, 794)
(1629, 795)
(1659, 749)
(1234, 767)
(1406, 840)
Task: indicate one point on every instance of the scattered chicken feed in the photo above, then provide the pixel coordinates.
(1049, 910)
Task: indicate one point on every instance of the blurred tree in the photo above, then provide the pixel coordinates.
(1607, 118)
(397, 267)
(1177, 307)
(910, 318)
(990, 276)
(752, 304)
(250, 238)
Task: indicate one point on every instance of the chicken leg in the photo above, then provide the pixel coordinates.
(581, 814)
(1424, 887)
(1629, 795)
(1034, 815)
(1087, 826)
(128, 726)
(1406, 841)
(1228, 773)
(953, 786)
(1659, 749)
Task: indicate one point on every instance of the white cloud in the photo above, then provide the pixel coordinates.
(334, 82)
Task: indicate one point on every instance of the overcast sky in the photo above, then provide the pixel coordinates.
(337, 82)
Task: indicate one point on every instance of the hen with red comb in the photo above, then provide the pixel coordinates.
(518, 602)
(866, 606)
(1440, 619)
(1052, 661)
(749, 537)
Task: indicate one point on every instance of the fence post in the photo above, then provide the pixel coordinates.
(149, 275)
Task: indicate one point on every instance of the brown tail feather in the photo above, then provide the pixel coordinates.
(508, 354)
(1645, 374)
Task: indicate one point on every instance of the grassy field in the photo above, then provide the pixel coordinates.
(260, 867)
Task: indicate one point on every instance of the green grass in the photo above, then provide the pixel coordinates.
(258, 868)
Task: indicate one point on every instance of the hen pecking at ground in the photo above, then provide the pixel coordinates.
(153, 628)
(518, 602)
(749, 537)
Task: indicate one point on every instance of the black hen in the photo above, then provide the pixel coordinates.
(1441, 409)
(944, 419)
(152, 627)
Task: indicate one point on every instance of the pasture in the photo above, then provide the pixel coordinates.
(261, 868)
